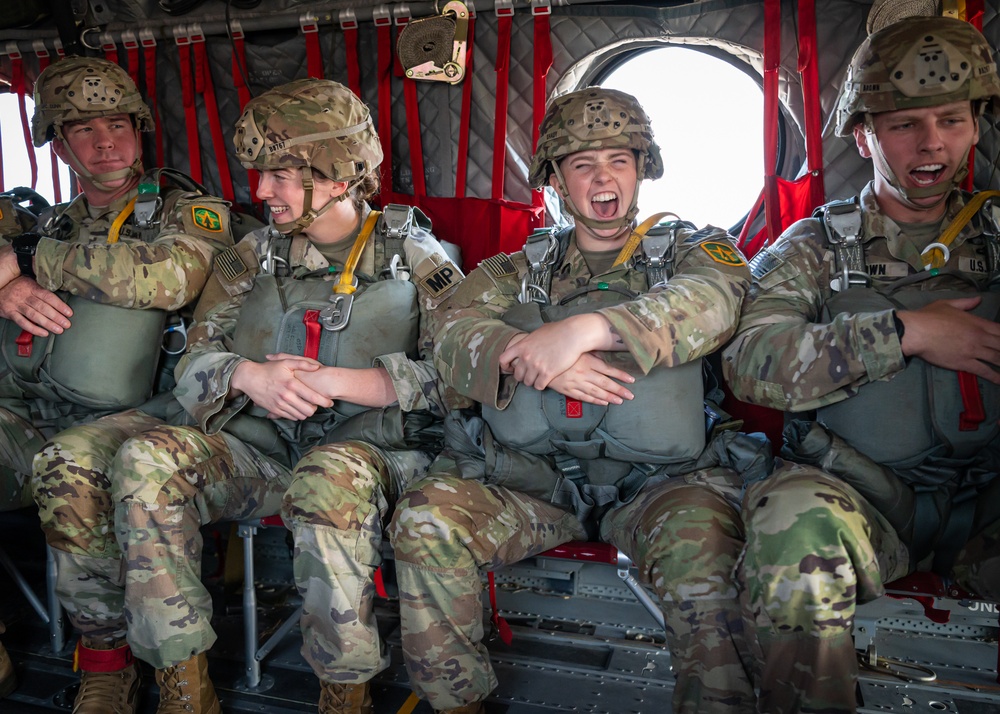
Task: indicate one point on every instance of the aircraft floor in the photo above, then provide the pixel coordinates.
(581, 643)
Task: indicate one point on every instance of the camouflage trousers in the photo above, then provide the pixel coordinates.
(684, 535)
(815, 549)
(337, 506)
(166, 484)
(71, 483)
(20, 440)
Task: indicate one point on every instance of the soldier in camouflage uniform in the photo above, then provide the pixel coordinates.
(881, 314)
(86, 295)
(592, 424)
(303, 380)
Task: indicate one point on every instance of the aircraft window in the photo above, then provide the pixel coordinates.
(707, 117)
(16, 169)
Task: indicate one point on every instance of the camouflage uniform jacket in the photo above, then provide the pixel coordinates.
(786, 354)
(204, 374)
(687, 318)
(167, 272)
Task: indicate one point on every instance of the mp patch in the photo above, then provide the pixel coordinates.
(230, 265)
(442, 279)
(722, 253)
(499, 266)
(207, 219)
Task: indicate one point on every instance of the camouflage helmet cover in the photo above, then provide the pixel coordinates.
(309, 122)
(83, 88)
(918, 62)
(593, 118)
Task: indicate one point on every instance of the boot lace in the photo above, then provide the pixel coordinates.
(173, 698)
(101, 692)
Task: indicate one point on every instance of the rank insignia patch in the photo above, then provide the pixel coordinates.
(722, 253)
(206, 218)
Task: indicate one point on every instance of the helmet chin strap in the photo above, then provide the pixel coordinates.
(941, 191)
(101, 181)
(622, 224)
(309, 214)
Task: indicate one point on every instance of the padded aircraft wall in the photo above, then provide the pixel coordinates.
(586, 37)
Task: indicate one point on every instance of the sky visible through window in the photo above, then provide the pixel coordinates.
(707, 118)
(706, 114)
(16, 168)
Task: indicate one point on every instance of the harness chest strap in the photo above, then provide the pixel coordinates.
(346, 285)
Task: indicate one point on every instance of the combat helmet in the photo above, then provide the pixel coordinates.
(588, 119)
(309, 124)
(83, 88)
(913, 63)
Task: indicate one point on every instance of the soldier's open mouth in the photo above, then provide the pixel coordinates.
(605, 204)
(928, 174)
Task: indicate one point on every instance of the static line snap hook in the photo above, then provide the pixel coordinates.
(936, 246)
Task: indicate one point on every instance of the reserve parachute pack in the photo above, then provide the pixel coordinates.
(306, 315)
(108, 360)
(603, 453)
(925, 473)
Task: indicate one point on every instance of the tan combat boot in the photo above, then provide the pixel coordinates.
(7, 679)
(109, 680)
(335, 698)
(474, 708)
(186, 688)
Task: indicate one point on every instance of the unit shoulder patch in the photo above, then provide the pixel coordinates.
(499, 266)
(207, 219)
(723, 253)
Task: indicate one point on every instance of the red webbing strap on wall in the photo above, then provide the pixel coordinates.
(383, 27)
(44, 59)
(809, 73)
(1, 158)
(131, 45)
(542, 64)
(109, 48)
(241, 70)
(187, 99)
(974, 15)
(314, 56)
(313, 330)
(505, 21)
(412, 115)
(349, 24)
(148, 43)
(18, 85)
(206, 87)
(772, 59)
(462, 170)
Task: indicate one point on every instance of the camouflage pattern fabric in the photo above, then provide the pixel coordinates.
(683, 534)
(918, 62)
(70, 481)
(204, 373)
(166, 484)
(340, 497)
(448, 528)
(335, 499)
(826, 362)
(689, 317)
(72, 486)
(815, 546)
